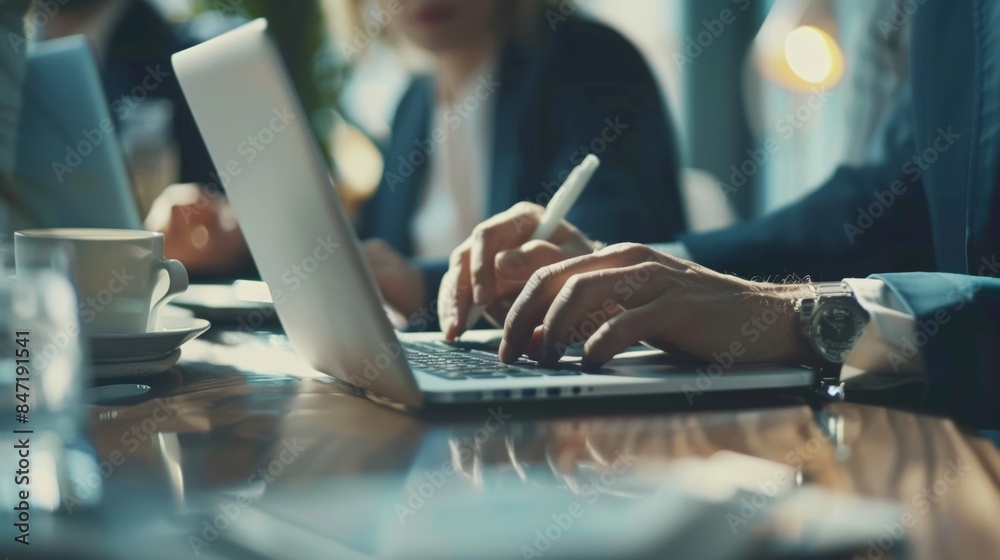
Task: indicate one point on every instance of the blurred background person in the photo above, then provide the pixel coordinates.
(133, 43)
(712, 98)
(200, 228)
(517, 94)
(177, 188)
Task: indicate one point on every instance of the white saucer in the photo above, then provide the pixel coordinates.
(171, 332)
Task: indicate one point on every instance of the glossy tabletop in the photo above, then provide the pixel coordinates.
(205, 462)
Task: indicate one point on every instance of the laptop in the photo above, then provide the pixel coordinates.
(70, 164)
(326, 298)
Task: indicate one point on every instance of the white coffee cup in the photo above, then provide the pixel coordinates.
(121, 276)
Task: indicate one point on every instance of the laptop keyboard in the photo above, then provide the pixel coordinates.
(452, 361)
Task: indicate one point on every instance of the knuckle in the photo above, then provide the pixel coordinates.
(457, 256)
(638, 251)
(584, 286)
(484, 235)
(574, 282)
(539, 279)
(488, 236)
(537, 246)
(653, 268)
(571, 290)
(525, 207)
(624, 249)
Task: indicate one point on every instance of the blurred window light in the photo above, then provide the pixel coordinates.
(801, 54)
(814, 56)
(798, 46)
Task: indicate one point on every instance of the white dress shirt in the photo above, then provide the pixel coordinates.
(887, 344)
(454, 198)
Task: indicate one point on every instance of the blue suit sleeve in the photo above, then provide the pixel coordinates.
(957, 336)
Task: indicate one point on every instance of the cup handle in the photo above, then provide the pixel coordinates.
(178, 277)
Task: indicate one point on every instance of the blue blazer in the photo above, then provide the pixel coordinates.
(577, 82)
(925, 212)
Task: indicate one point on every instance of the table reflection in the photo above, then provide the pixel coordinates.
(213, 432)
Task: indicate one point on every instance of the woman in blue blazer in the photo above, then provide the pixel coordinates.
(518, 96)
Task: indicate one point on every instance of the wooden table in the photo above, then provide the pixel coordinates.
(239, 403)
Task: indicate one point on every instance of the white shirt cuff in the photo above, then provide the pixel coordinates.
(887, 345)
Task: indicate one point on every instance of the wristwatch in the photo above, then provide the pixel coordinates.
(832, 322)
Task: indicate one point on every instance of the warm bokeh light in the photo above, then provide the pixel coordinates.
(814, 56)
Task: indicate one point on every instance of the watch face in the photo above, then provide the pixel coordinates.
(836, 329)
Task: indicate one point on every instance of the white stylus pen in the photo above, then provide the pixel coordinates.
(556, 211)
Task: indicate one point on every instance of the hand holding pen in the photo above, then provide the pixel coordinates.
(489, 269)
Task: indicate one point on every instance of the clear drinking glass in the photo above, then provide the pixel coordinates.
(42, 411)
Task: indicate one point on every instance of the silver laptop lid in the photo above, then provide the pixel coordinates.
(298, 232)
